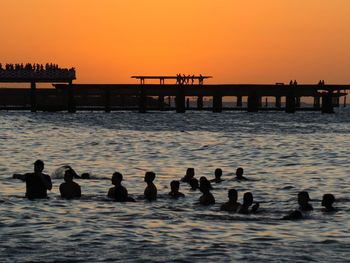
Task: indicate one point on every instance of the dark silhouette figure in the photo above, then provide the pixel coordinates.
(295, 215)
(207, 198)
(202, 180)
(327, 202)
(151, 190)
(70, 189)
(174, 193)
(218, 174)
(303, 201)
(119, 193)
(232, 205)
(194, 184)
(37, 183)
(188, 176)
(247, 202)
(239, 174)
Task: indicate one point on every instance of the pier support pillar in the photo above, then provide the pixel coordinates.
(217, 103)
(71, 102)
(180, 103)
(33, 106)
(317, 102)
(297, 102)
(290, 104)
(260, 102)
(108, 100)
(200, 102)
(161, 102)
(278, 102)
(142, 101)
(187, 103)
(239, 101)
(327, 103)
(253, 103)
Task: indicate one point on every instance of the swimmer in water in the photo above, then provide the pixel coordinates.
(239, 175)
(232, 205)
(295, 215)
(218, 174)
(37, 183)
(204, 179)
(303, 201)
(174, 193)
(247, 202)
(151, 190)
(207, 198)
(70, 189)
(194, 184)
(119, 193)
(189, 175)
(327, 202)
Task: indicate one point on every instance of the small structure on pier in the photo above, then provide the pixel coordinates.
(180, 79)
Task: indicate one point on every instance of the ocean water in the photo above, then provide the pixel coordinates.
(283, 153)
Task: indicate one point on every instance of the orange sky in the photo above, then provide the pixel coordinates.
(236, 41)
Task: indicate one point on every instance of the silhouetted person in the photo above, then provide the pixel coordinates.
(194, 184)
(85, 176)
(303, 201)
(296, 214)
(232, 205)
(151, 190)
(327, 202)
(70, 189)
(247, 202)
(175, 186)
(239, 174)
(218, 174)
(188, 176)
(207, 198)
(202, 180)
(295, 83)
(37, 183)
(118, 192)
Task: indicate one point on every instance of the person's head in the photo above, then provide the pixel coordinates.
(68, 175)
(248, 199)
(190, 172)
(232, 195)
(175, 186)
(328, 200)
(303, 198)
(218, 173)
(117, 178)
(204, 185)
(38, 166)
(239, 172)
(194, 184)
(85, 176)
(149, 177)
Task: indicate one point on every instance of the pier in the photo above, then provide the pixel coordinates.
(172, 93)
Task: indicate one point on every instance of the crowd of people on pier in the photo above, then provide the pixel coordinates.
(33, 67)
(38, 183)
(188, 79)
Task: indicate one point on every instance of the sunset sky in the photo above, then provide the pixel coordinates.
(236, 41)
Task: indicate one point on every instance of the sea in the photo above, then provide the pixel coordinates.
(281, 153)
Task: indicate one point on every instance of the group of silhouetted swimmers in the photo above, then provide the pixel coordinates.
(38, 183)
(32, 67)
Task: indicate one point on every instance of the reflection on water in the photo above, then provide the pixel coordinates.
(284, 153)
